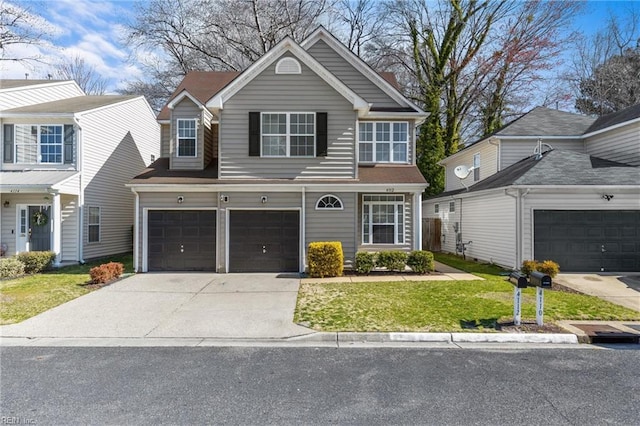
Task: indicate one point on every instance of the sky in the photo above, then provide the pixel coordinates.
(94, 31)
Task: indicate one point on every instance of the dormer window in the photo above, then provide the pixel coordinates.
(288, 66)
(186, 137)
(383, 142)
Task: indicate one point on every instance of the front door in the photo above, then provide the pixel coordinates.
(34, 228)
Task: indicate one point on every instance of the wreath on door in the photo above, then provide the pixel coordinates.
(40, 218)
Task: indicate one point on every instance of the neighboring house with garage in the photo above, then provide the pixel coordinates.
(307, 144)
(66, 158)
(549, 185)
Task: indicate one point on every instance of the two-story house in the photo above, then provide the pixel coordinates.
(66, 157)
(550, 185)
(307, 144)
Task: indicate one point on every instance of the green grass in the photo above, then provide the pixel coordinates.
(440, 306)
(24, 297)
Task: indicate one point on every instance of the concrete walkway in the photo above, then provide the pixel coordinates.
(616, 289)
(185, 305)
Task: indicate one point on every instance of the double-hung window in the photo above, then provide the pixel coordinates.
(187, 137)
(476, 167)
(38, 144)
(383, 142)
(383, 219)
(94, 224)
(288, 134)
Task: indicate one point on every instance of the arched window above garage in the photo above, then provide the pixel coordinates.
(329, 202)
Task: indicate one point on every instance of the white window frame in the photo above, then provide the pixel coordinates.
(179, 138)
(288, 134)
(476, 165)
(390, 142)
(399, 218)
(285, 65)
(452, 206)
(38, 143)
(318, 207)
(90, 224)
(436, 208)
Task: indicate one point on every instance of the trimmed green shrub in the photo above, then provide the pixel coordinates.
(106, 272)
(393, 260)
(325, 259)
(365, 262)
(420, 261)
(548, 267)
(10, 267)
(528, 266)
(36, 261)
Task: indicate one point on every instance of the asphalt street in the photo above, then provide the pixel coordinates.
(235, 385)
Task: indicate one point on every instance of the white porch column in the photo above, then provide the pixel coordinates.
(56, 228)
(417, 199)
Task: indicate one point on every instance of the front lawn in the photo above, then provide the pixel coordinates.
(27, 296)
(440, 306)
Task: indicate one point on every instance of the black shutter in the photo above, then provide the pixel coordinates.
(7, 149)
(321, 134)
(254, 134)
(68, 143)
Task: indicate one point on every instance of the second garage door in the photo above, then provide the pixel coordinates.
(264, 241)
(182, 240)
(588, 241)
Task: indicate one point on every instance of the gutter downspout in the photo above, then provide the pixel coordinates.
(136, 223)
(519, 243)
(497, 144)
(79, 164)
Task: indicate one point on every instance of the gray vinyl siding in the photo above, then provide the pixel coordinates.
(350, 76)
(332, 225)
(40, 121)
(514, 150)
(31, 95)
(165, 140)
(269, 92)
(408, 227)
(8, 227)
(118, 142)
(69, 234)
(186, 109)
(622, 144)
(587, 199)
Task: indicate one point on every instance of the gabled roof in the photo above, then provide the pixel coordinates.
(558, 168)
(15, 83)
(609, 120)
(286, 45)
(201, 85)
(70, 106)
(542, 121)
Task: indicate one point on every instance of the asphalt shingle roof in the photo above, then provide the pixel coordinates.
(13, 83)
(71, 105)
(614, 118)
(542, 121)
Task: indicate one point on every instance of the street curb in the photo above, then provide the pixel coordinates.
(351, 337)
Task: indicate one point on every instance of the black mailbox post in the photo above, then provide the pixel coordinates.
(538, 279)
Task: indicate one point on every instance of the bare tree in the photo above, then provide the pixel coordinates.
(20, 27)
(84, 74)
(360, 22)
(604, 73)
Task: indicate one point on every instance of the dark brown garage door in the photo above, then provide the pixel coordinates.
(588, 241)
(264, 241)
(182, 240)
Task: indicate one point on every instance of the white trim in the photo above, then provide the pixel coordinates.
(145, 230)
(228, 233)
(322, 34)
(613, 127)
(390, 142)
(397, 221)
(388, 188)
(286, 45)
(329, 208)
(38, 144)
(89, 224)
(184, 94)
(195, 151)
(288, 134)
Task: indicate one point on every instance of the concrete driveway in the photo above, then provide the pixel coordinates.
(623, 290)
(184, 305)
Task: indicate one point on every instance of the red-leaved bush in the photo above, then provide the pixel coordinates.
(106, 272)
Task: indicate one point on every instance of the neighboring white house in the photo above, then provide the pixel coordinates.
(66, 157)
(550, 185)
(307, 144)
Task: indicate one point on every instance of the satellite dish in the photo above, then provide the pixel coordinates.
(462, 171)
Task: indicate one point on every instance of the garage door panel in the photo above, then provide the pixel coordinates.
(264, 241)
(580, 249)
(181, 240)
